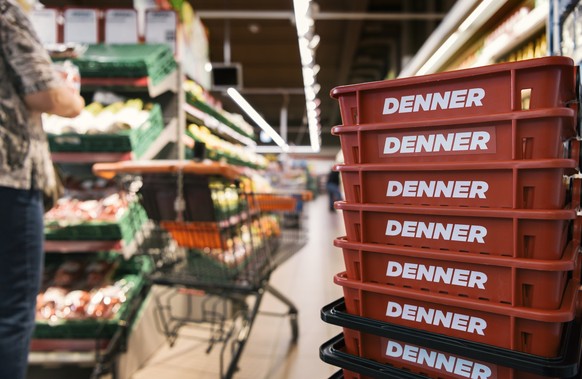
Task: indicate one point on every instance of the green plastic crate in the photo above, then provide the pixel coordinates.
(124, 229)
(91, 328)
(137, 140)
(134, 270)
(155, 61)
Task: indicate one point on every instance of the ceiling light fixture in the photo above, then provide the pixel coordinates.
(245, 106)
(308, 42)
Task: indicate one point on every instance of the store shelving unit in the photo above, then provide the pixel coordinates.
(169, 83)
(454, 40)
(532, 24)
(100, 354)
(196, 115)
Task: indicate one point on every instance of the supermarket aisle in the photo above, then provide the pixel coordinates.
(307, 279)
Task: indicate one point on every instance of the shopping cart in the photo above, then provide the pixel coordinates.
(227, 242)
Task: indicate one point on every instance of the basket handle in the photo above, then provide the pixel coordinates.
(109, 170)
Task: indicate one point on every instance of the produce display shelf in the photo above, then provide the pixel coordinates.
(131, 274)
(215, 154)
(125, 228)
(135, 140)
(91, 329)
(168, 84)
(217, 126)
(211, 111)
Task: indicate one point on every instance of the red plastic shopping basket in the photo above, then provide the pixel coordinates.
(538, 184)
(533, 331)
(427, 361)
(539, 134)
(537, 234)
(501, 88)
(513, 281)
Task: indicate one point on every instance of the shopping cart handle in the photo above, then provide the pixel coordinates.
(105, 170)
(109, 170)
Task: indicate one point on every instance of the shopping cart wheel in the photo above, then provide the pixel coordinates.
(294, 327)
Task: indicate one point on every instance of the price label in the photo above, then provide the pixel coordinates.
(121, 26)
(161, 27)
(45, 24)
(81, 25)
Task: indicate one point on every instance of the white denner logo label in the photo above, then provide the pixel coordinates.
(437, 274)
(449, 320)
(439, 142)
(457, 189)
(461, 98)
(419, 356)
(437, 230)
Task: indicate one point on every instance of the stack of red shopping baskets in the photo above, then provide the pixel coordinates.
(462, 247)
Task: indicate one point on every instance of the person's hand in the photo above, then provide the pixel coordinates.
(70, 75)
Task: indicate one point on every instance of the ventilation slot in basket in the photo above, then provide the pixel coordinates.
(525, 99)
(528, 197)
(528, 246)
(527, 147)
(526, 294)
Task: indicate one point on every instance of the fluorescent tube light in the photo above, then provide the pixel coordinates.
(245, 106)
(438, 54)
(474, 16)
(308, 42)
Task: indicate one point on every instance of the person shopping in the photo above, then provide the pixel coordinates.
(333, 188)
(29, 87)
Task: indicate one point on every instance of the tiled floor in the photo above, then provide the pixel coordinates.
(306, 279)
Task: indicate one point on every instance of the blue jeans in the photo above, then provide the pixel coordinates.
(334, 194)
(21, 265)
